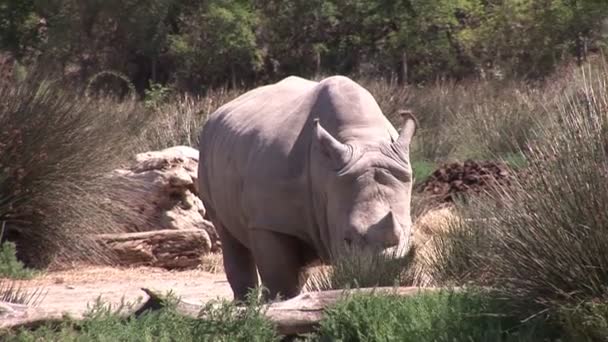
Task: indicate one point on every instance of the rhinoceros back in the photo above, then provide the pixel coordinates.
(252, 160)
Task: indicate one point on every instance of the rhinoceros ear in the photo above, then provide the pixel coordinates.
(336, 152)
(408, 129)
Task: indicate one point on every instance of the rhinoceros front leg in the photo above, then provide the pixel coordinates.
(279, 262)
(239, 264)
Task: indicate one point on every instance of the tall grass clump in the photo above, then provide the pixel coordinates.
(55, 148)
(554, 224)
(544, 239)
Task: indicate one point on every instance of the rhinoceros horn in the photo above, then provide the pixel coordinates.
(338, 153)
(407, 131)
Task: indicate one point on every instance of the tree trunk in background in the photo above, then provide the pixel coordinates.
(402, 69)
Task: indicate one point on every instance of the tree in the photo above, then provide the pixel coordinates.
(216, 41)
(18, 26)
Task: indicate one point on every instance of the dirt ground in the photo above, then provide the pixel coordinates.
(71, 291)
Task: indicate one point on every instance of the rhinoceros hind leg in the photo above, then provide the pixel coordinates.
(279, 262)
(239, 264)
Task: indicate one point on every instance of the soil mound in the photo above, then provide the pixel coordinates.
(465, 178)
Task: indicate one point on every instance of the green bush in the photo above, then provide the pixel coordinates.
(220, 321)
(442, 316)
(224, 321)
(10, 266)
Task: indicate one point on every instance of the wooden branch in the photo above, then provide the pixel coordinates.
(168, 248)
(298, 315)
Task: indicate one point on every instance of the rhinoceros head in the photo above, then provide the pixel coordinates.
(367, 190)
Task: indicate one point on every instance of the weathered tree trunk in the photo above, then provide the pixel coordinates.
(170, 249)
(298, 315)
(402, 78)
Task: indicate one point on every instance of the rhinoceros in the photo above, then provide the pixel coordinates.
(293, 171)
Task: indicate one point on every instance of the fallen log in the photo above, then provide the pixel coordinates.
(168, 248)
(299, 315)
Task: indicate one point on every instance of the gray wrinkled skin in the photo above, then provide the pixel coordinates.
(292, 172)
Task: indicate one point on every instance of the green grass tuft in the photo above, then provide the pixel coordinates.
(443, 316)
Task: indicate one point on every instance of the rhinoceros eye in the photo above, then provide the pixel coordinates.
(386, 177)
(383, 176)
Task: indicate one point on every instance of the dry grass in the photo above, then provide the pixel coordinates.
(12, 292)
(212, 263)
(178, 121)
(354, 269)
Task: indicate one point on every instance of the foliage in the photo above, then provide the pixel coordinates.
(469, 119)
(224, 321)
(156, 95)
(442, 316)
(217, 40)
(196, 45)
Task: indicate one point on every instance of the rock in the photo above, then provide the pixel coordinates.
(159, 188)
